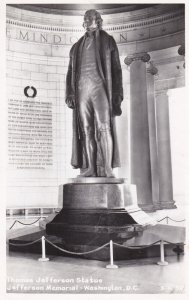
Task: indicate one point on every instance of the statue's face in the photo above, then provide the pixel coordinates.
(90, 22)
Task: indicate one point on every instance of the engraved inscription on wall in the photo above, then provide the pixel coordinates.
(30, 139)
(56, 39)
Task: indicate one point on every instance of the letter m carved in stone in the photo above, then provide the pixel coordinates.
(24, 37)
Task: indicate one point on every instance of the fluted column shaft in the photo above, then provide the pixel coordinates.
(139, 132)
(164, 150)
(151, 72)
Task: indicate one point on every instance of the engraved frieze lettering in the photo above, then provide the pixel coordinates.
(23, 36)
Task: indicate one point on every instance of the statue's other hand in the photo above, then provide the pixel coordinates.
(70, 101)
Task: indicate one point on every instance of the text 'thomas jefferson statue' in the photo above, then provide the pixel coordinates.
(94, 92)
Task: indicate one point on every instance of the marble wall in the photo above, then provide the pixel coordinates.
(32, 184)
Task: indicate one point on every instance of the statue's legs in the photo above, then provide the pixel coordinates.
(90, 150)
(106, 145)
(88, 132)
(102, 117)
(94, 112)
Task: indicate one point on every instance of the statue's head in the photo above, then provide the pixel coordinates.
(92, 20)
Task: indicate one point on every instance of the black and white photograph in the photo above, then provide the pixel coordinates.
(94, 149)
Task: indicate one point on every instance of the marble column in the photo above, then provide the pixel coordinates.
(139, 132)
(151, 72)
(164, 151)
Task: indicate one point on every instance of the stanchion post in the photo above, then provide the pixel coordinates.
(43, 258)
(111, 266)
(162, 262)
(167, 220)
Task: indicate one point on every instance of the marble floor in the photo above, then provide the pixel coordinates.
(65, 275)
(25, 274)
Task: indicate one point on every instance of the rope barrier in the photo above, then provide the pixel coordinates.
(173, 243)
(63, 250)
(28, 224)
(76, 253)
(162, 261)
(161, 219)
(17, 221)
(143, 247)
(176, 220)
(91, 251)
(27, 244)
(136, 247)
(171, 219)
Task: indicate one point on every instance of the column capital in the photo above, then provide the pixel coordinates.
(152, 69)
(181, 50)
(143, 56)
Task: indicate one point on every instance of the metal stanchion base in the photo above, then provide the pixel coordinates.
(112, 267)
(43, 259)
(162, 263)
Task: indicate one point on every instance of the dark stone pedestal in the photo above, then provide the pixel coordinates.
(95, 211)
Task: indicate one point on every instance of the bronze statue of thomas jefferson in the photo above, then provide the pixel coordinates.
(94, 92)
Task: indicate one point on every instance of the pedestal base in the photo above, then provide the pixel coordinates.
(96, 212)
(93, 227)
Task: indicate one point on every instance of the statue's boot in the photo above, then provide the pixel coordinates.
(90, 148)
(107, 150)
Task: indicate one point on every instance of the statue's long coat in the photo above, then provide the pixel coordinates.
(110, 70)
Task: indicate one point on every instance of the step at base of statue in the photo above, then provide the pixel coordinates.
(96, 211)
(93, 227)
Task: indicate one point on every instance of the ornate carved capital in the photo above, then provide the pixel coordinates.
(143, 56)
(181, 50)
(152, 69)
(128, 60)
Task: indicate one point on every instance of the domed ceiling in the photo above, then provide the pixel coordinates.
(78, 9)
